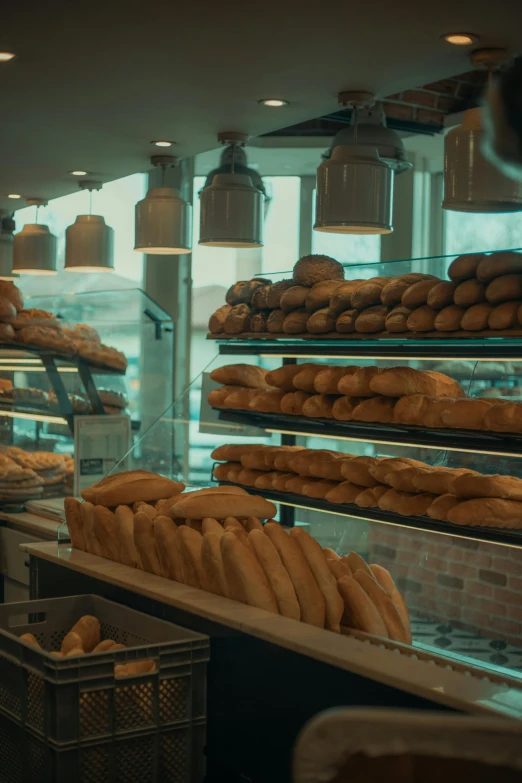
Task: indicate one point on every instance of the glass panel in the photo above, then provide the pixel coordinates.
(471, 233)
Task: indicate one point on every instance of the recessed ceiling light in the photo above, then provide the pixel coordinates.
(460, 39)
(6, 56)
(163, 143)
(275, 103)
(14, 195)
(79, 173)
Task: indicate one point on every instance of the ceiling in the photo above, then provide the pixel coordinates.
(93, 85)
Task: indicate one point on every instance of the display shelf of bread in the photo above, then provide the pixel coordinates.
(214, 539)
(26, 475)
(481, 298)
(353, 400)
(401, 487)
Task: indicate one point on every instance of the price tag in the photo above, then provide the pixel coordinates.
(100, 443)
(210, 423)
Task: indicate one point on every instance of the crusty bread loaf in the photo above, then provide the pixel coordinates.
(217, 397)
(488, 512)
(283, 377)
(410, 409)
(312, 269)
(253, 523)
(259, 297)
(92, 544)
(196, 506)
(405, 503)
(145, 542)
(449, 318)
(267, 401)
(319, 295)
(402, 381)
(368, 293)
(237, 319)
(218, 318)
(477, 485)
(242, 291)
(256, 458)
(190, 544)
(372, 319)
(504, 289)
(247, 477)
(466, 414)
(387, 609)
(464, 267)
(433, 413)
(280, 481)
(369, 498)
(296, 321)
(304, 380)
(293, 298)
(232, 452)
(469, 292)
(441, 507)
(345, 492)
(327, 467)
(392, 292)
(356, 562)
(300, 463)
(106, 532)
(212, 564)
(125, 488)
(276, 574)
(311, 600)
(245, 579)
(319, 488)
(343, 407)
(504, 417)
(345, 323)
(73, 517)
(275, 321)
(437, 481)
(375, 409)
(504, 316)
(327, 379)
(397, 319)
(264, 481)
(297, 484)
(167, 546)
(270, 454)
(422, 319)
(321, 322)
(385, 580)
(358, 384)
(441, 295)
(499, 264)
(476, 318)
(380, 468)
(88, 629)
(283, 458)
(357, 470)
(319, 406)
(359, 610)
(259, 321)
(275, 292)
(403, 479)
(416, 295)
(247, 375)
(334, 604)
(124, 522)
(240, 399)
(341, 298)
(338, 568)
(292, 403)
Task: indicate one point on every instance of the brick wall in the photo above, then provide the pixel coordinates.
(473, 585)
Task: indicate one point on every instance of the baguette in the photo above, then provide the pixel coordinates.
(341, 298)
(397, 319)
(267, 402)
(283, 458)
(405, 503)
(334, 605)
(190, 543)
(441, 507)
(126, 488)
(240, 398)
(88, 629)
(464, 267)
(345, 323)
(319, 406)
(504, 417)
(145, 543)
(357, 471)
(293, 298)
(330, 554)
(449, 318)
(264, 481)
(402, 381)
(385, 580)
(372, 319)
(422, 319)
(477, 485)
(375, 409)
(369, 498)
(327, 467)
(248, 477)
(283, 377)
(356, 562)
(338, 569)
(411, 408)
(403, 479)
(221, 471)
(147, 509)
(476, 318)
(91, 542)
(106, 531)
(247, 375)
(304, 380)
(245, 579)
(382, 599)
(276, 574)
(271, 453)
(255, 460)
(346, 492)
(28, 638)
(433, 413)
(327, 379)
(469, 292)
(300, 462)
(293, 402)
(466, 414)
(216, 398)
(296, 322)
(380, 469)
(73, 517)
(232, 452)
(438, 481)
(358, 384)
(441, 295)
(253, 523)
(392, 292)
(309, 596)
(232, 522)
(319, 488)
(504, 316)
(210, 525)
(504, 289)
(417, 294)
(368, 293)
(124, 521)
(343, 407)
(71, 641)
(167, 545)
(196, 506)
(488, 512)
(297, 484)
(321, 322)
(279, 483)
(320, 293)
(499, 264)
(359, 610)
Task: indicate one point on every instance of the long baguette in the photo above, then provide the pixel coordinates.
(198, 506)
(276, 574)
(385, 579)
(190, 550)
(386, 607)
(359, 610)
(125, 528)
(146, 543)
(212, 564)
(167, 544)
(91, 542)
(73, 517)
(356, 562)
(211, 525)
(106, 531)
(334, 604)
(246, 580)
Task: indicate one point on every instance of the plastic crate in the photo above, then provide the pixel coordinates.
(78, 701)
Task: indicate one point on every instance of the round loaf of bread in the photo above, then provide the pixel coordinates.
(397, 319)
(477, 317)
(295, 322)
(311, 269)
(345, 323)
(293, 298)
(320, 294)
(441, 295)
(321, 322)
(275, 321)
(464, 267)
(276, 291)
(498, 264)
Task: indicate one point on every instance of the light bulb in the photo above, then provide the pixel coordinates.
(275, 103)
(6, 56)
(163, 143)
(460, 39)
(79, 173)
(14, 195)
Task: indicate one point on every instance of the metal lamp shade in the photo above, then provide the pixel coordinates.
(89, 245)
(354, 192)
(163, 223)
(231, 212)
(6, 256)
(34, 250)
(471, 183)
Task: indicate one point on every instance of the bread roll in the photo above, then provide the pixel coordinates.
(369, 498)
(283, 458)
(375, 409)
(259, 297)
(275, 321)
(267, 402)
(403, 479)
(297, 484)
(71, 641)
(422, 319)
(341, 298)
(319, 406)
(319, 295)
(259, 321)
(276, 291)
(296, 321)
(504, 417)
(218, 318)
(441, 295)
(311, 600)
(168, 546)
(242, 291)
(334, 604)
(405, 503)
(246, 375)
(279, 483)
(401, 381)
(327, 379)
(88, 629)
(293, 298)
(438, 481)
(385, 580)
(417, 294)
(397, 319)
(359, 610)
(304, 380)
(441, 507)
(380, 468)
(196, 506)
(311, 269)
(394, 626)
(464, 267)
(392, 292)
(237, 319)
(504, 316)
(276, 574)
(232, 452)
(301, 462)
(346, 492)
(240, 399)
(477, 485)
(247, 477)
(498, 265)
(319, 488)
(504, 289)
(345, 323)
(292, 403)
(477, 317)
(343, 407)
(358, 384)
(321, 322)
(283, 377)
(411, 409)
(217, 397)
(327, 467)
(368, 293)
(449, 319)
(125, 488)
(469, 292)
(372, 319)
(488, 512)
(73, 517)
(357, 470)
(245, 579)
(466, 414)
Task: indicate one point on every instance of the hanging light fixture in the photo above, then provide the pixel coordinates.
(7, 226)
(163, 218)
(471, 182)
(355, 185)
(231, 205)
(89, 242)
(34, 247)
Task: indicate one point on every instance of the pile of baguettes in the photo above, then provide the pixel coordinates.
(484, 293)
(400, 395)
(405, 486)
(214, 539)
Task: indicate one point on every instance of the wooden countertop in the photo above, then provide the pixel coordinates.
(31, 523)
(429, 676)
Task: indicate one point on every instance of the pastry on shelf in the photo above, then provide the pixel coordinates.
(79, 402)
(45, 337)
(32, 317)
(101, 355)
(81, 332)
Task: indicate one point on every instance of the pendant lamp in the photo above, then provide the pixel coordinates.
(34, 247)
(7, 226)
(471, 182)
(355, 186)
(163, 219)
(89, 242)
(231, 208)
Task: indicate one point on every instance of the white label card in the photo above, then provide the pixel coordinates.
(100, 442)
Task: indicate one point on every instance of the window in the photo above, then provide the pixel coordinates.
(347, 248)
(469, 233)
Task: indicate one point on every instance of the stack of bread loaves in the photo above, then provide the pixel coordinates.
(402, 485)
(400, 395)
(213, 539)
(483, 295)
